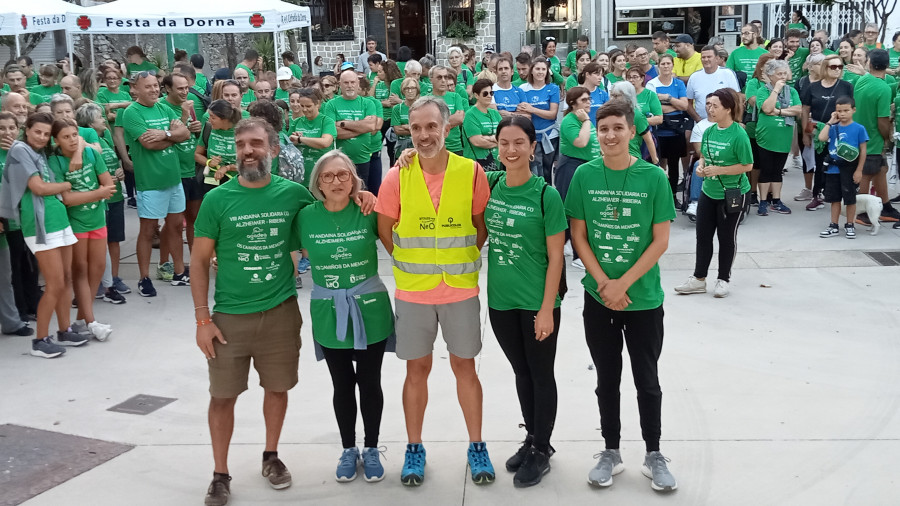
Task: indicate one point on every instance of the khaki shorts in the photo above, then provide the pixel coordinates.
(417, 326)
(271, 338)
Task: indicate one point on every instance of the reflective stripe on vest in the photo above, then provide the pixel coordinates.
(433, 246)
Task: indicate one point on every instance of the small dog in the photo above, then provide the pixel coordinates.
(871, 205)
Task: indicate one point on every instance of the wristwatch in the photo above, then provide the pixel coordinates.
(168, 134)
(343, 123)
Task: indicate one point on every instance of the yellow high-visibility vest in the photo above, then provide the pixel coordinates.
(431, 246)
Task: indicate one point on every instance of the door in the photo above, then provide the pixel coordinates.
(393, 21)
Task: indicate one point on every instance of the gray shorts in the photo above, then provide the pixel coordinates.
(417, 326)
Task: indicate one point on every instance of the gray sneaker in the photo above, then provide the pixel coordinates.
(276, 472)
(66, 338)
(219, 490)
(610, 464)
(655, 468)
(81, 327)
(46, 348)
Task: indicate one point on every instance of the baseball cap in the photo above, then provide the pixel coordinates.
(284, 74)
(346, 65)
(879, 59)
(488, 48)
(685, 38)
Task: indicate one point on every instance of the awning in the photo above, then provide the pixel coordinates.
(34, 16)
(630, 5)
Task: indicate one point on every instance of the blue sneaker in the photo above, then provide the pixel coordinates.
(779, 207)
(303, 266)
(413, 473)
(372, 467)
(480, 464)
(346, 469)
(120, 286)
(145, 288)
(763, 208)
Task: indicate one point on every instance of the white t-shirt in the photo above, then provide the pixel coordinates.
(363, 62)
(699, 128)
(701, 84)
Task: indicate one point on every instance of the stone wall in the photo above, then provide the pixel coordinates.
(485, 30)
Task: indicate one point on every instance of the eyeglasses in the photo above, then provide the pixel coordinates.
(632, 77)
(411, 88)
(329, 177)
(835, 67)
(326, 85)
(747, 33)
(444, 76)
(871, 33)
(488, 93)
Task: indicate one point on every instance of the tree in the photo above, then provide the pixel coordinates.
(876, 10)
(28, 42)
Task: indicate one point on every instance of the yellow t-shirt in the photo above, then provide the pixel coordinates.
(684, 68)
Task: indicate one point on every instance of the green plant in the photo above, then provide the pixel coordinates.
(458, 29)
(264, 44)
(159, 60)
(480, 15)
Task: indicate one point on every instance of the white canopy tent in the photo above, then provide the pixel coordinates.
(33, 16)
(650, 4)
(196, 16)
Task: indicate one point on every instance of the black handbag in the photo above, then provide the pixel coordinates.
(675, 122)
(734, 200)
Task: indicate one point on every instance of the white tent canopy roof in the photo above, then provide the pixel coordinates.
(180, 16)
(624, 5)
(34, 16)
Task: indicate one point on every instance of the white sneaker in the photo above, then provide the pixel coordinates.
(721, 289)
(578, 264)
(692, 285)
(805, 194)
(691, 209)
(567, 249)
(99, 330)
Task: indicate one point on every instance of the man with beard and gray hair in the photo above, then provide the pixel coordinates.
(431, 220)
(16, 104)
(256, 316)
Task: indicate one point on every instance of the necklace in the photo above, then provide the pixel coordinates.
(606, 180)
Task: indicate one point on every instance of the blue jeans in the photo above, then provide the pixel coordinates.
(696, 183)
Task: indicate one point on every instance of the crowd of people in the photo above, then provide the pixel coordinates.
(267, 175)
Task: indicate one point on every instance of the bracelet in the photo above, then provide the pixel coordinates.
(200, 307)
(201, 323)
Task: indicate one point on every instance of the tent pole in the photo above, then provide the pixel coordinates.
(93, 60)
(18, 49)
(69, 48)
(309, 54)
(275, 45)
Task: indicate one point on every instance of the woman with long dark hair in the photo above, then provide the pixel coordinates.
(524, 289)
(381, 90)
(725, 158)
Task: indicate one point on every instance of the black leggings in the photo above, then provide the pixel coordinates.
(24, 273)
(713, 220)
(345, 380)
(771, 164)
(390, 144)
(532, 362)
(604, 330)
(672, 148)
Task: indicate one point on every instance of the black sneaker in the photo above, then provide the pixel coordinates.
(754, 200)
(219, 490)
(183, 279)
(895, 200)
(513, 463)
(888, 213)
(145, 288)
(131, 202)
(66, 338)
(533, 468)
(113, 297)
(24, 330)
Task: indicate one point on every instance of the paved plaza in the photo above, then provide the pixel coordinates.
(786, 392)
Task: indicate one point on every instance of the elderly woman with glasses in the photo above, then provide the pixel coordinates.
(352, 319)
(818, 101)
(409, 87)
(480, 126)
(648, 101)
(778, 105)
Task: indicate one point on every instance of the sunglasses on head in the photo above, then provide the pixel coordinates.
(144, 73)
(550, 39)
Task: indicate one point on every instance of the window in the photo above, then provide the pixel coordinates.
(331, 19)
(458, 10)
(554, 11)
(642, 23)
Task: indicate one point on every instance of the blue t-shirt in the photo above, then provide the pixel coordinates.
(676, 89)
(541, 99)
(507, 100)
(598, 97)
(652, 73)
(853, 134)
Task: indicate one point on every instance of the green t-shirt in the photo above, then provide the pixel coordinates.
(479, 123)
(850, 77)
(343, 253)
(104, 96)
(186, 148)
(376, 140)
(873, 101)
(296, 70)
(32, 80)
(89, 216)
(897, 116)
(400, 116)
(253, 230)
(89, 135)
(282, 94)
(249, 72)
(640, 128)
(570, 59)
(519, 220)
(612, 78)
(3, 243)
(569, 129)
(402, 66)
(383, 92)
(247, 98)
(619, 208)
(221, 143)
(316, 127)
(454, 103)
(515, 83)
(796, 64)
(893, 58)
(572, 81)
(136, 68)
(425, 86)
(341, 109)
(668, 51)
(201, 82)
(154, 169)
(771, 132)
(40, 94)
(112, 164)
(648, 101)
(726, 146)
(55, 216)
(750, 91)
(744, 59)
